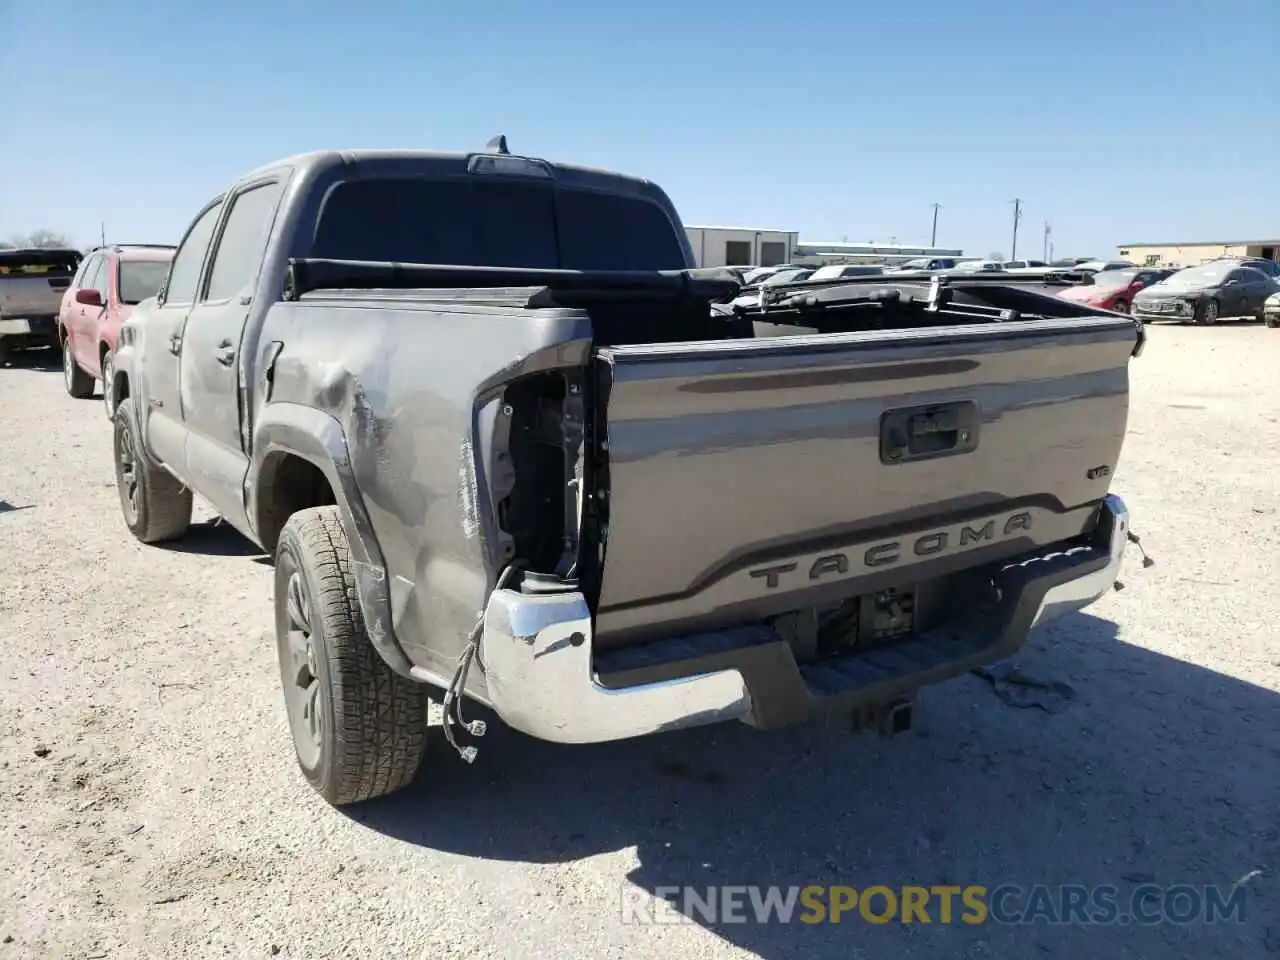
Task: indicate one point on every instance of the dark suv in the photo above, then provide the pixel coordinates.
(1270, 267)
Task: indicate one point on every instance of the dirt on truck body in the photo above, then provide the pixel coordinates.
(506, 442)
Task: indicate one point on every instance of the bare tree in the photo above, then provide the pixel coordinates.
(40, 238)
(997, 255)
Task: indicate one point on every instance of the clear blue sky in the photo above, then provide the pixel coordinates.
(1117, 121)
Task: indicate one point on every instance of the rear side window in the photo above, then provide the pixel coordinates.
(81, 272)
(140, 279)
(185, 273)
(93, 273)
(239, 252)
(601, 231)
(102, 277)
(497, 223)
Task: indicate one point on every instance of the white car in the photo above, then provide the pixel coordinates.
(838, 271)
(1099, 266)
(979, 266)
(775, 279)
(1271, 311)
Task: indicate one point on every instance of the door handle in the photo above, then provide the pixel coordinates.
(921, 433)
(226, 353)
(175, 344)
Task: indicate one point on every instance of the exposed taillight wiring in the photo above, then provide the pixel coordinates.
(454, 694)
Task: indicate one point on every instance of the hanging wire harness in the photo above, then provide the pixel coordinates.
(453, 695)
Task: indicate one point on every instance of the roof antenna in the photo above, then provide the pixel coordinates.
(497, 145)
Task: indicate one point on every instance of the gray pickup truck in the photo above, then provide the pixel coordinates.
(32, 284)
(506, 443)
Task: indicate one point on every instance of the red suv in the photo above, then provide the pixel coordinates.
(109, 284)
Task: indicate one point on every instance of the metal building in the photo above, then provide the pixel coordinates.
(741, 246)
(1198, 251)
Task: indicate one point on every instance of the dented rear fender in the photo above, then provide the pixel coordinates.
(292, 430)
(405, 396)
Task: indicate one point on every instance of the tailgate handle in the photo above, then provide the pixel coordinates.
(944, 424)
(922, 433)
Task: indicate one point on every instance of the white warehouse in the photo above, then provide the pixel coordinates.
(742, 246)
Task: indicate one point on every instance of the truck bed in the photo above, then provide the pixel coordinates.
(695, 468)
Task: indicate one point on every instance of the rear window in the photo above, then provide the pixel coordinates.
(140, 279)
(39, 263)
(494, 223)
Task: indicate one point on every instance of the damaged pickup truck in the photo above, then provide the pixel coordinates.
(505, 442)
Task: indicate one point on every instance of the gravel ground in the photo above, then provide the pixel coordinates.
(150, 805)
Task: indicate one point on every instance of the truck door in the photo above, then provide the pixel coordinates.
(210, 373)
(159, 406)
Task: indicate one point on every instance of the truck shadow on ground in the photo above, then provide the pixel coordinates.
(45, 360)
(1156, 771)
(214, 540)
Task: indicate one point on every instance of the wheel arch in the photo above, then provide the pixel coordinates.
(301, 460)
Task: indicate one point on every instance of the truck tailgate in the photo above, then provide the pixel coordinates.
(747, 478)
(33, 295)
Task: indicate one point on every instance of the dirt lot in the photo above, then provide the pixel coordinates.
(150, 806)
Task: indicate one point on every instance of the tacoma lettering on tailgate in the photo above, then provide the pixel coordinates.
(881, 554)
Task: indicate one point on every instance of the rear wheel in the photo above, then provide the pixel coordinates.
(156, 506)
(359, 728)
(1121, 307)
(78, 383)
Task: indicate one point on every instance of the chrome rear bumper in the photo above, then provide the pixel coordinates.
(1077, 594)
(539, 671)
(537, 662)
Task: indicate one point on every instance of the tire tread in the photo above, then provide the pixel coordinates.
(380, 727)
(166, 504)
(81, 385)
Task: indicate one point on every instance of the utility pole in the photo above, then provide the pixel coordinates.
(1017, 215)
(102, 233)
(933, 237)
(1048, 229)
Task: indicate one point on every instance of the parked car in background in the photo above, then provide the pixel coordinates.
(1114, 289)
(838, 271)
(1023, 264)
(1102, 266)
(1219, 288)
(32, 282)
(1271, 311)
(788, 274)
(109, 284)
(978, 266)
(929, 263)
(1270, 267)
(756, 275)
